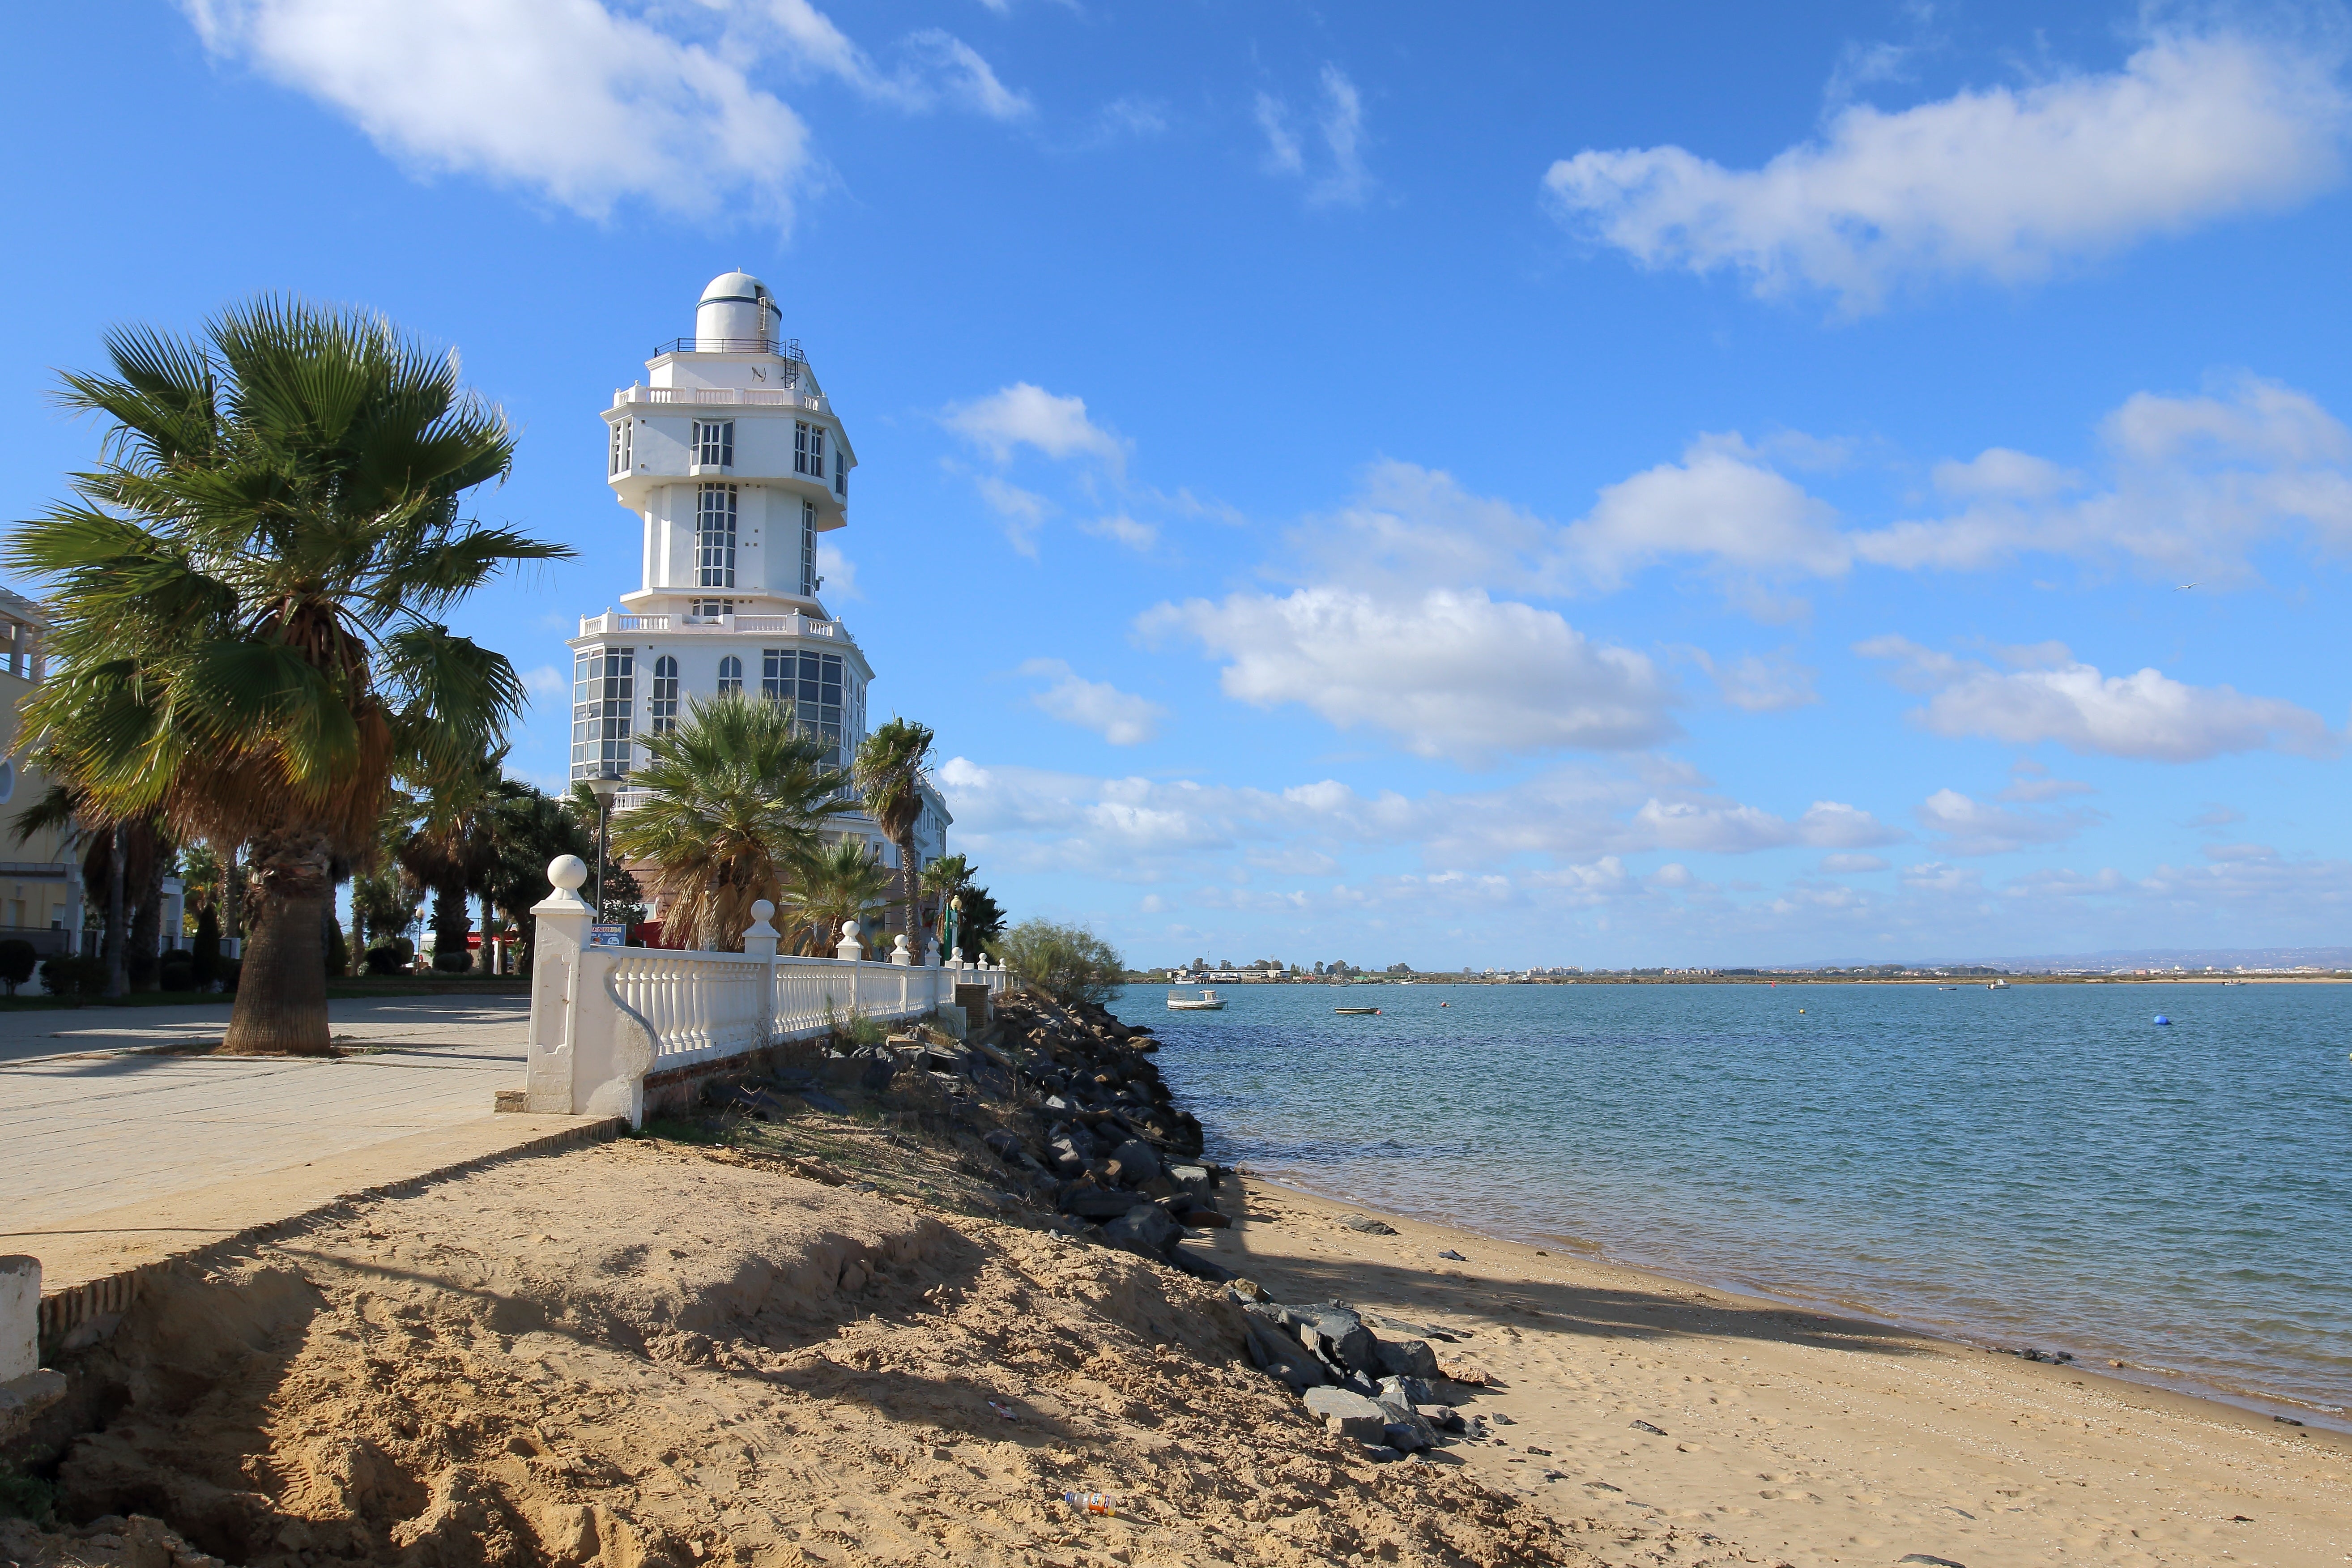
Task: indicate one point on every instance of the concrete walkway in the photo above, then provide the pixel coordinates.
(111, 1156)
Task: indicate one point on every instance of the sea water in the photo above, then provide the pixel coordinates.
(2043, 1166)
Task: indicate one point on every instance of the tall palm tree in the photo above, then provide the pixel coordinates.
(249, 590)
(738, 795)
(452, 849)
(889, 772)
(843, 881)
(943, 880)
(533, 829)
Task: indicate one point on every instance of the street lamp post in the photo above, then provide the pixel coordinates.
(603, 786)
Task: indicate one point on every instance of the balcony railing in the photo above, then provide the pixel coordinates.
(793, 625)
(731, 396)
(783, 348)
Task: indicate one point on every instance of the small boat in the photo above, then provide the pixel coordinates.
(1947, 988)
(1206, 1001)
(1996, 984)
(1357, 1010)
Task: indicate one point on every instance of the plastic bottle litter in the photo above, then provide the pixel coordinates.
(1087, 1503)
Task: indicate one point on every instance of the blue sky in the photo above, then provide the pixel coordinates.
(1580, 484)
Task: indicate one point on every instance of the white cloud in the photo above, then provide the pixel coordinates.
(2195, 482)
(1756, 684)
(1973, 827)
(1475, 679)
(2054, 697)
(1339, 122)
(588, 104)
(2001, 184)
(1124, 529)
(560, 96)
(1854, 865)
(1718, 504)
(1121, 718)
(547, 682)
(1024, 415)
(1023, 511)
(838, 574)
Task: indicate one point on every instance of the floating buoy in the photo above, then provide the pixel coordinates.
(1800, 1010)
(2162, 1019)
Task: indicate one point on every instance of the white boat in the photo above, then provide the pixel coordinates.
(1996, 984)
(1206, 1001)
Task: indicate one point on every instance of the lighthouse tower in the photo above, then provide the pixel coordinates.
(734, 461)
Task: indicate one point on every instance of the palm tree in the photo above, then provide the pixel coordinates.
(738, 795)
(452, 849)
(533, 829)
(890, 769)
(251, 588)
(843, 881)
(943, 880)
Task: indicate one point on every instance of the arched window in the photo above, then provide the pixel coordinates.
(661, 713)
(730, 675)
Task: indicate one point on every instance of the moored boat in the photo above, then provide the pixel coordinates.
(1206, 1001)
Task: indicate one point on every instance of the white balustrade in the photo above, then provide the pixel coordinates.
(741, 396)
(793, 625)
(603, 1018)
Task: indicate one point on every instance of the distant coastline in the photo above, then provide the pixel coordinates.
(1747, 977)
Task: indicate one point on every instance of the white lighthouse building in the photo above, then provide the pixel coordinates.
(734, 460)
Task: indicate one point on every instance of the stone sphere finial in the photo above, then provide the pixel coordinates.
(568, 872)
(762, 908)
(849, 931)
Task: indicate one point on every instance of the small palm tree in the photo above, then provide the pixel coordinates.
(739, 795)
(452, 849)
(843, 881)
(889, 771)
(943, 880)
(250, 590)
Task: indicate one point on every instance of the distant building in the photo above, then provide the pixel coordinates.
(734, 461)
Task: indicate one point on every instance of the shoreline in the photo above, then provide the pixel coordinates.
(1795, 1434)
(2306, 1414)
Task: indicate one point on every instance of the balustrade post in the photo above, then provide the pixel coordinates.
(760, 941)
(562, 936)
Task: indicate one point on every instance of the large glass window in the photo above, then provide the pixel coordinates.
(714, 443)
(714, 537)
(730, 675)
(808, 548)
(840, 477)
(714, 606)
(800, 447)
(816, 450)
(620, 455)
(661, 710)
(604, 692)
(811, 682)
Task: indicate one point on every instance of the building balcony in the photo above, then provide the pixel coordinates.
(718, 396)
(612, 623)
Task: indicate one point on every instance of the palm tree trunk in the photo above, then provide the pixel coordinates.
(117, 969)
(489, 929)
(908, 875)
(281, 992)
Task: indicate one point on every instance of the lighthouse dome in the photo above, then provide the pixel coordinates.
(737, 312)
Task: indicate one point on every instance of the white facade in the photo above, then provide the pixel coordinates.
(734, 461)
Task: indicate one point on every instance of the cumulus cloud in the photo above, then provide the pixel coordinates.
(1120, 717)
(1339, 124)
(1974, 827)
(1720, 504)
(1025, 415)
(2052, 696)
(1756, 684)
(547, 682)
(2195, 482)
(1476, 678)
(2004, 183)
(581, 103)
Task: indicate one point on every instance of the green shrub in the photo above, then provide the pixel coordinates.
(176, 971)
(230, 968)
(339, 953)
(1069, 963)
(70, 975)
(16, 961)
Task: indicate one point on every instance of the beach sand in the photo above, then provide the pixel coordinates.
(1790, 1437)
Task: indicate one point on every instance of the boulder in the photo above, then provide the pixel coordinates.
(1404, 1427)
(1366, 1225)
(1405, 1358)
(1351, 1341)
(1089, 1201)
(1194, 1179)
(1005, 1146)
(1145, 1230)
(1198, 1264)
(1136, 1162)
(1347, 1415)
(1444, 1418)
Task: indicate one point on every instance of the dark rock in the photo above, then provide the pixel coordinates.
(1090, 1202)
(1366, 1225)
(1136, 1161)
(1652, 1431)
(1444, 1418)
(1406, 1429)
(1144, 1230)
(820, 1100)
(1194, 1179)
(1200, 1265)
(1351, 1343)
(1405, 1358)
(1347, 1415)
(1407, 1436)
(1453, 1255)
(1006, 1146)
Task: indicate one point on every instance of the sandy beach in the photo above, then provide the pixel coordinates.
(1797, 1437)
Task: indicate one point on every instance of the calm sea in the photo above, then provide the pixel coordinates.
(2043, 1166)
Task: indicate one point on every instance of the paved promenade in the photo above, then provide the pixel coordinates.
(111, 1155)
